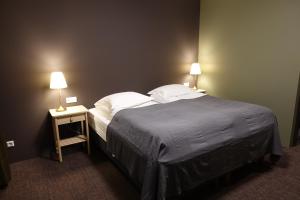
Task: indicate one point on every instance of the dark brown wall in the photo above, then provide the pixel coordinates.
(101, 46)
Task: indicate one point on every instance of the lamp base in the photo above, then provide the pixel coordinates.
(61, 109)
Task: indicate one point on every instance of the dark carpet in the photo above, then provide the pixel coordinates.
(83, 177)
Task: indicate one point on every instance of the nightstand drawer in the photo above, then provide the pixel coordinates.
(65, 120)
(77, 118)
(71, 119)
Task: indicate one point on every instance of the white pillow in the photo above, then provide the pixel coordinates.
(118, 101)
(162, 99)
(172, 90)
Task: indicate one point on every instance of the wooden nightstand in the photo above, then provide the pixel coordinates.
(200, 91)
(71, 115)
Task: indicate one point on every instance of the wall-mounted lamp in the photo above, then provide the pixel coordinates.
(195, 72)
(58, 81)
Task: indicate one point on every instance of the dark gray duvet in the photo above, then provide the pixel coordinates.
(173, 147)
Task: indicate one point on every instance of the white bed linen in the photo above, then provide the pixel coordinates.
(162, 99)
(99, 121)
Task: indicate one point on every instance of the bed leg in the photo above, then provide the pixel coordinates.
(217, 183)
(227, 178)
(261, 160)
(274, 159)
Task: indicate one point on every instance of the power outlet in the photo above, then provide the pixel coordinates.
(71, 99)
(10, 143)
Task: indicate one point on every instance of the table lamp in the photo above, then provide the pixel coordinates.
(195, 71)
(58, 81)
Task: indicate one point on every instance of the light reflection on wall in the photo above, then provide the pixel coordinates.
(208, 67)
(189, 57)
(49, 60)
(53, 60)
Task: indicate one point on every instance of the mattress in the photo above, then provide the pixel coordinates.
(99, 121)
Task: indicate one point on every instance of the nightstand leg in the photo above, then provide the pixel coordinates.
(82, 127)
(83, 132)
(87, 133)
(57, 138)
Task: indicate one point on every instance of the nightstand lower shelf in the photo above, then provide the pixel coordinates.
(73, 140)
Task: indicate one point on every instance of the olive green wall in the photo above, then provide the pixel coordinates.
(250, 51)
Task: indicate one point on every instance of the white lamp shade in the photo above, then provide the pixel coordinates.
(58, 80)
(195, 69)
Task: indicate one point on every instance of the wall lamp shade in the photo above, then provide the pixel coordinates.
(195, 69)
(58, 81)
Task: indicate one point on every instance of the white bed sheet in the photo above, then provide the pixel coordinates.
(99, 121)
(162, 99)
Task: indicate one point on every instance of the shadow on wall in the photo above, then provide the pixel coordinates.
(44, 140)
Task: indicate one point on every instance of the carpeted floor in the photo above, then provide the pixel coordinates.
(82, 177)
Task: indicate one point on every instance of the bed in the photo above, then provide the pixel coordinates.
(168, 148)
